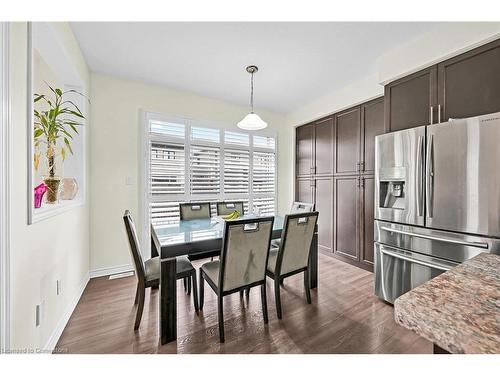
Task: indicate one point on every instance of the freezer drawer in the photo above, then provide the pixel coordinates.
(440, 244)
(463, 175)
(398, 271)
(399, 176)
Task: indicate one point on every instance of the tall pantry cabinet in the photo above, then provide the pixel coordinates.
(334, 169)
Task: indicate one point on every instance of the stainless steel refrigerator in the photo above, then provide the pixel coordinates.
(437, 200)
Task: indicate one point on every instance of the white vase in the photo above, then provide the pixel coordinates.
(68, 189)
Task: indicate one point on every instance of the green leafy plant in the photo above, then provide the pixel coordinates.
(58, 122)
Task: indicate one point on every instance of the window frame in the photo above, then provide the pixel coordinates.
(146, 198)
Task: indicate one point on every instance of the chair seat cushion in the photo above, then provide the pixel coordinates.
(271, 262)
(276, 243)
(152, 267)
(183, 265)
(211, 270)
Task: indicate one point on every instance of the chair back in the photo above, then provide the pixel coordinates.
(298, 207)
(155, 243)
(193, 211)
(134, 246)
(296, 238)
(245, 251)
(225, 208)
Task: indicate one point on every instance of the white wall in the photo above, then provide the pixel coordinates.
(56, 248)
(116, 106)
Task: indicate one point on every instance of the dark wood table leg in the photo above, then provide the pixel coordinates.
(313, 262)
(168, 301)
(439, 350)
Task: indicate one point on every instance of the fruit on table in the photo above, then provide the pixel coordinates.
(233, 215)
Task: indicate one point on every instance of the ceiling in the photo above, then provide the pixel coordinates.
(297, 62)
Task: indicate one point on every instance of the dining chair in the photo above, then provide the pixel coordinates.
(242, 264)
(292, 256)
(226, 208)
(148, 273)
(193, 211)
(296, 208)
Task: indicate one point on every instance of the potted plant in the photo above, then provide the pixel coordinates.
(55, 128)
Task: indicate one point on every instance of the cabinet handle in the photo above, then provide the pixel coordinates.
(439, 113)
(357, 167)
(362, 166)
(431, 115)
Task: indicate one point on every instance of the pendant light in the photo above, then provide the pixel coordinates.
(252, 121)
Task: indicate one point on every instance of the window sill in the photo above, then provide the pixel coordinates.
(50, 210)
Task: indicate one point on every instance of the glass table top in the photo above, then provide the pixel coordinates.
(186, 231)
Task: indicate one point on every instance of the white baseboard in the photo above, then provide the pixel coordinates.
(106, 271)
(56, 334)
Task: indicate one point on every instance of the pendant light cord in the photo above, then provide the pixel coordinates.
(251, 93)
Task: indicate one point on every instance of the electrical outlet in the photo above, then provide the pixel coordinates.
(129, 181)
(58, 287)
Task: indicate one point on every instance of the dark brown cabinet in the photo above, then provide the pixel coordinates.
(411, 101)
(305, 150)
(464, 86)
(323, 147)
(372, 120)
(346, 222)
(324, 194)
(304, 190)
(469, 84)
(341, 159)
(367, 192)
(347, 141)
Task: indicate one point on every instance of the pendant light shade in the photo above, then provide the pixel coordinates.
(252, 121)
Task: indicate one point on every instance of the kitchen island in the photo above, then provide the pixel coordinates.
(459, 310)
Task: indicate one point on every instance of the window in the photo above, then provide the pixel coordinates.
(190, 163)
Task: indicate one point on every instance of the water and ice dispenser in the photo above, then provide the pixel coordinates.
(392, 188)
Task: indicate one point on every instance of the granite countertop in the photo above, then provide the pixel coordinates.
(458, 310)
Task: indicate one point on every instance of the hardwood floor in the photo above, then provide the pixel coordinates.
(344, 317)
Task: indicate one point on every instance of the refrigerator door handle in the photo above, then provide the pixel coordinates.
(420, 176)
(429, 176)
(410, 259)
(482, 245)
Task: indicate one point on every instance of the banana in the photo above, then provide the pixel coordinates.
(233, 215)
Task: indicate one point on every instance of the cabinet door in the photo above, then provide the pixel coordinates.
(346, 217)
(372, 120)
(366, 231)
(347, 141)
(469, 84)
(324, 147)
(305, 150)
(410, 101)
(324, 205)
(304, 191)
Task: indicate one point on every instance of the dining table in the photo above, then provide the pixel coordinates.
(196, 238)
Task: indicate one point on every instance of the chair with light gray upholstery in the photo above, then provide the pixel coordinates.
(242, 264)
(148, 273)
(297, 207)
(292, 256)
(193, 211)
(226, 208)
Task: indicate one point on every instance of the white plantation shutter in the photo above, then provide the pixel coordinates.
(236, 171)
(205, 170)
(164, 213)
(265, 205)
(263, 173)
(167, 168)
(191, 163)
